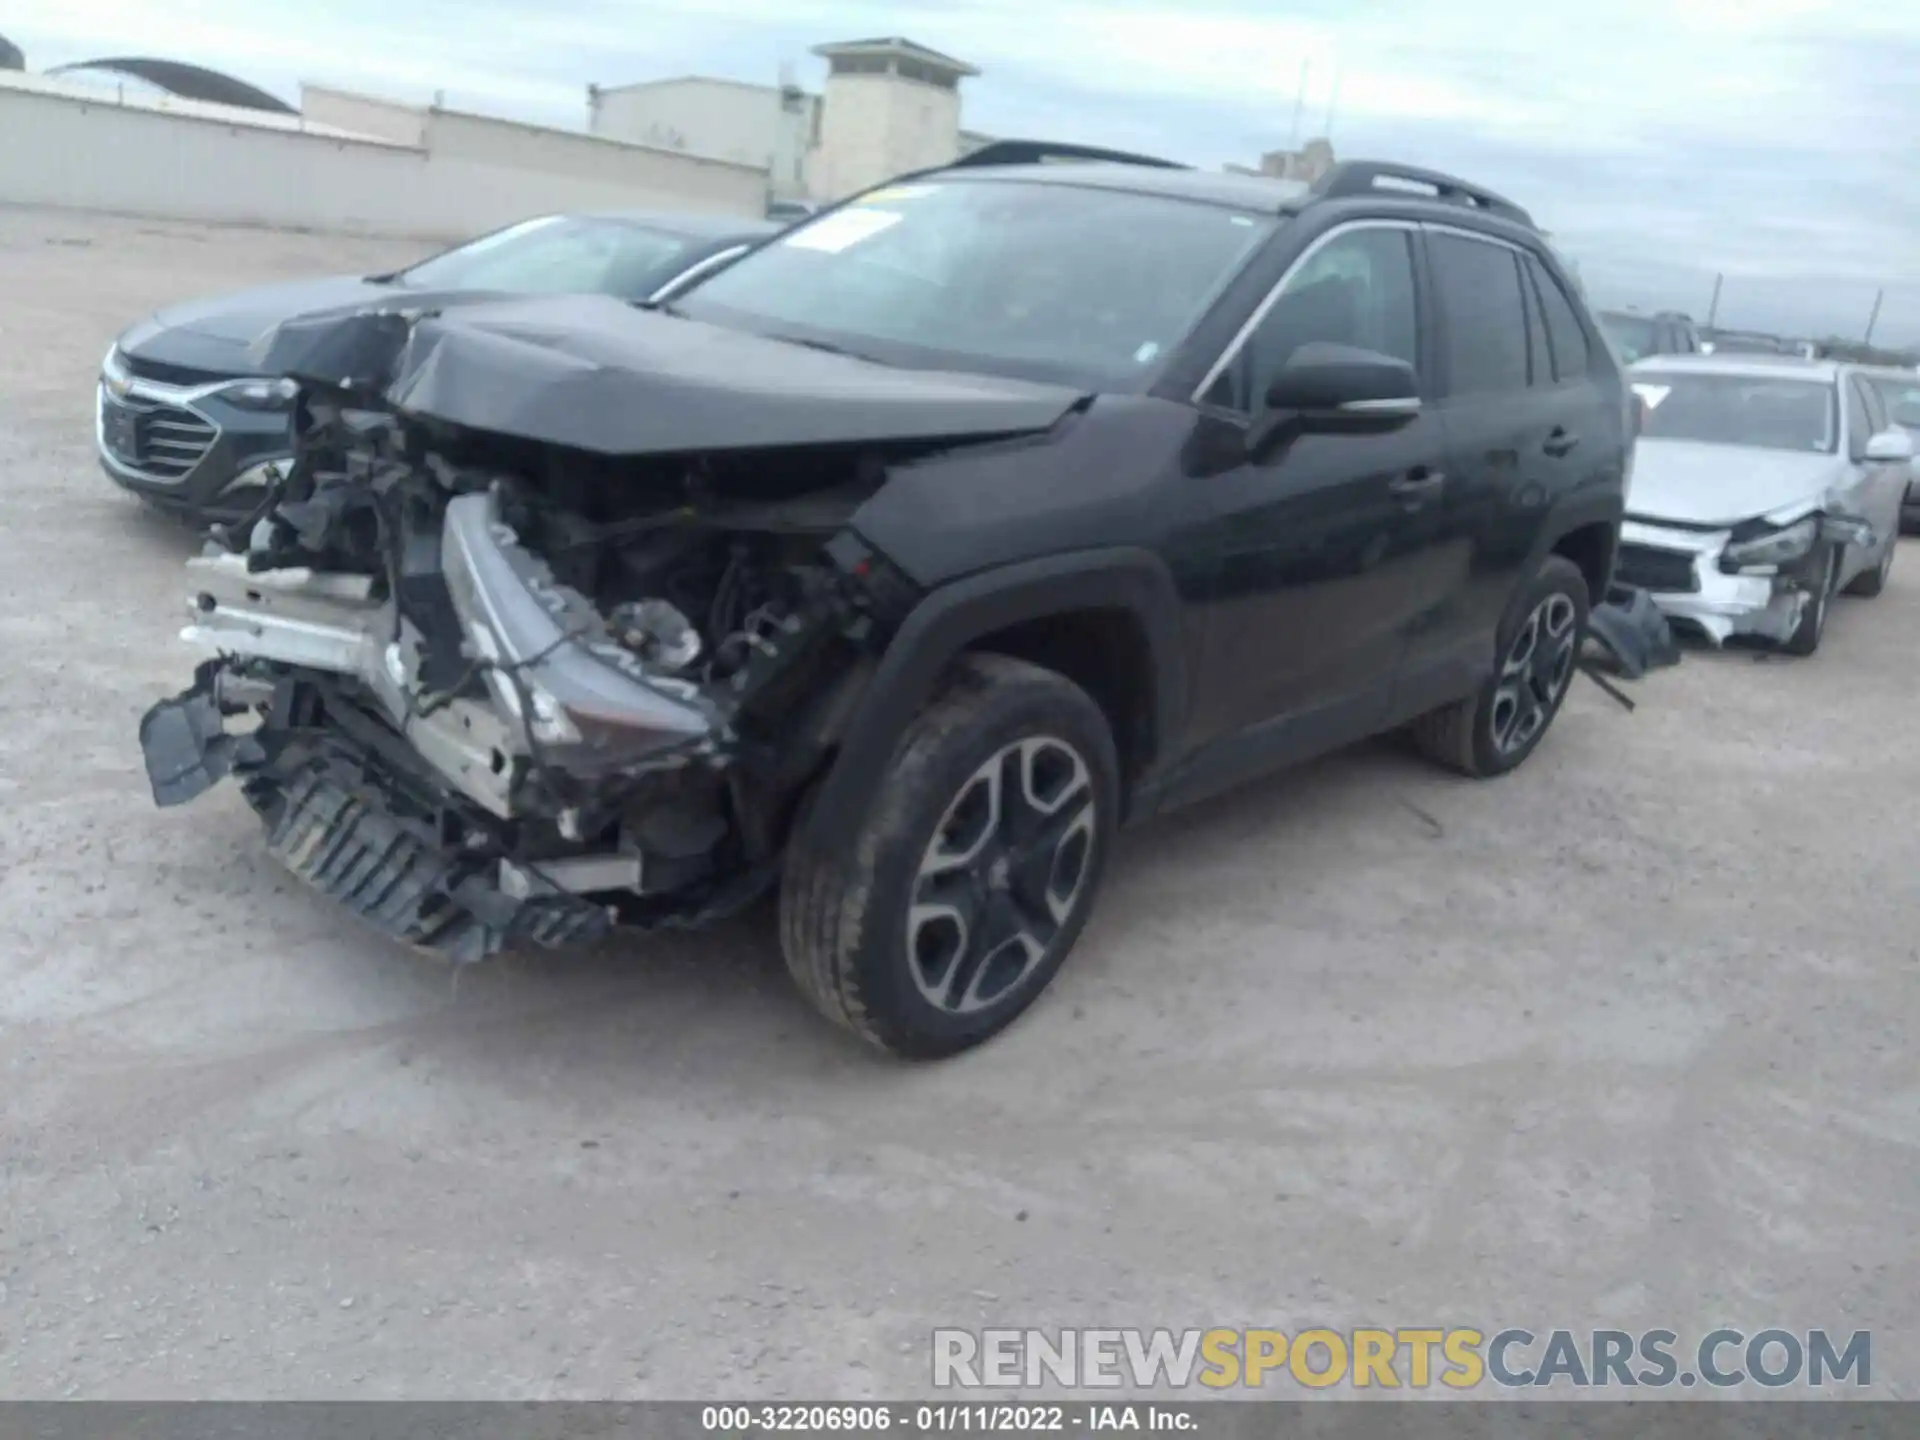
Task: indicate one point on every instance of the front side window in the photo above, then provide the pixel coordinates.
(557, 255)
(1756, 410)
(1902, 400)
(1477, 285)
(1859, 422)
(1356, 289)
(1059, 281)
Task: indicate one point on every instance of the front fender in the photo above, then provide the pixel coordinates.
(950, 619)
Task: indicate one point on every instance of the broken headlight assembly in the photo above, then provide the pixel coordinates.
(1771, 547)
(264, 395)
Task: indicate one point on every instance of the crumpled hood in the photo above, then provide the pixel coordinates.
(217, 333)
(245, 315)
(597, 374)
(1693, 483)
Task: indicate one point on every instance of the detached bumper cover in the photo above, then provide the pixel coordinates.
(1633, 632)
(328, 820)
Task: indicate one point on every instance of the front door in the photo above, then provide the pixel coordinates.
(1324, 541)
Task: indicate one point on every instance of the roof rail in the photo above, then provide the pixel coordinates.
(1040, 152)
(1362, 177)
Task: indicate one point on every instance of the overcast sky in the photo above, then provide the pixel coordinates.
(1777, 141)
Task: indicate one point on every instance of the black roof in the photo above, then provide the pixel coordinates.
(189, 82)
(1242, 192)
(696, 225)
(1353, 179)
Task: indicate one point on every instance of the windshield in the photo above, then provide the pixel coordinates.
(558, 255)
(1053, 281)
(1773, 414)
(1729, 344)
(1632, 335)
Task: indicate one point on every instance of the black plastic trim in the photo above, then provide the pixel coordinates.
(1362, 177)
(949, 619)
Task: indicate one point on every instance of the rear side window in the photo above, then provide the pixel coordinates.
(1565, 334)
(1539, 358)
(1484, 322)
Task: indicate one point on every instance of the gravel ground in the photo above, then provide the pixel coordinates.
(1621, 1041)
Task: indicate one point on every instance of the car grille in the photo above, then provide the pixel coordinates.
(162, 442)
(1652, 567)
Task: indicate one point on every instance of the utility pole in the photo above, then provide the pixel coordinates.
(1333, 99)
(1874, 318)
(1300, 103)
(1713, 305)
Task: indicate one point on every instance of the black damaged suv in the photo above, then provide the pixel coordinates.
(901, 562)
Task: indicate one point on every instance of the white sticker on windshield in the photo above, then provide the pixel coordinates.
(1652, 394)
(843, 228)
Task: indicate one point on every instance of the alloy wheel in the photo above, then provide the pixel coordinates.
(1536, 671)
(1001, 877)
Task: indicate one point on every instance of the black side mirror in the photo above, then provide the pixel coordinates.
(1338, 388)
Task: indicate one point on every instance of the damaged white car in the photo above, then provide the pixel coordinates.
(1761, 488)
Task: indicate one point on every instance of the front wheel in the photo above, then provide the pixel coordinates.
(973, 874)
(1869, 583)
(1492, 731)
(1806, 635)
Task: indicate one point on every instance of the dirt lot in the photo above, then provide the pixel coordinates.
(1624, 1040)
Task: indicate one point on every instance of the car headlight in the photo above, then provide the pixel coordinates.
(113, 373)
(260, 394)
(1776, 547)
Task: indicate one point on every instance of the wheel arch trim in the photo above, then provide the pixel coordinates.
(949, 619)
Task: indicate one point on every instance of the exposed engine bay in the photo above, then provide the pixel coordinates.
(485, 689)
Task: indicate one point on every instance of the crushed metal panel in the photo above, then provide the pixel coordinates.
(596, 374)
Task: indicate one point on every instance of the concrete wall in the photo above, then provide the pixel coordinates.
(471, 174)
(602, 172)
(874, 127)
(723, 119)
(365, 114)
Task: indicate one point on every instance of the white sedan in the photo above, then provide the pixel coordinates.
(1761, 488)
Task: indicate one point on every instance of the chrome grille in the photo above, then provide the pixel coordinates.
(162, 442)
(168, 374)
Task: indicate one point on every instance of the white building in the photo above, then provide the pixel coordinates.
(888, 106)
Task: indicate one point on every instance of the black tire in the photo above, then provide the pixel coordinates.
(847, 916)
(1869, 583)
(1813, 617)
(1467, 735)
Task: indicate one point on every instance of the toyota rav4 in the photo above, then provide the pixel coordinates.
(898, 564)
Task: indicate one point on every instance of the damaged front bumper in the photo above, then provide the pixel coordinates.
(406, 800)
(559, 685)
(1681, 571)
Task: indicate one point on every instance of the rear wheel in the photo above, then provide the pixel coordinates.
(973, 874)
(1494, 730)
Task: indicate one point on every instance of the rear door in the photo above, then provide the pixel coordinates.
(1518, 437)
